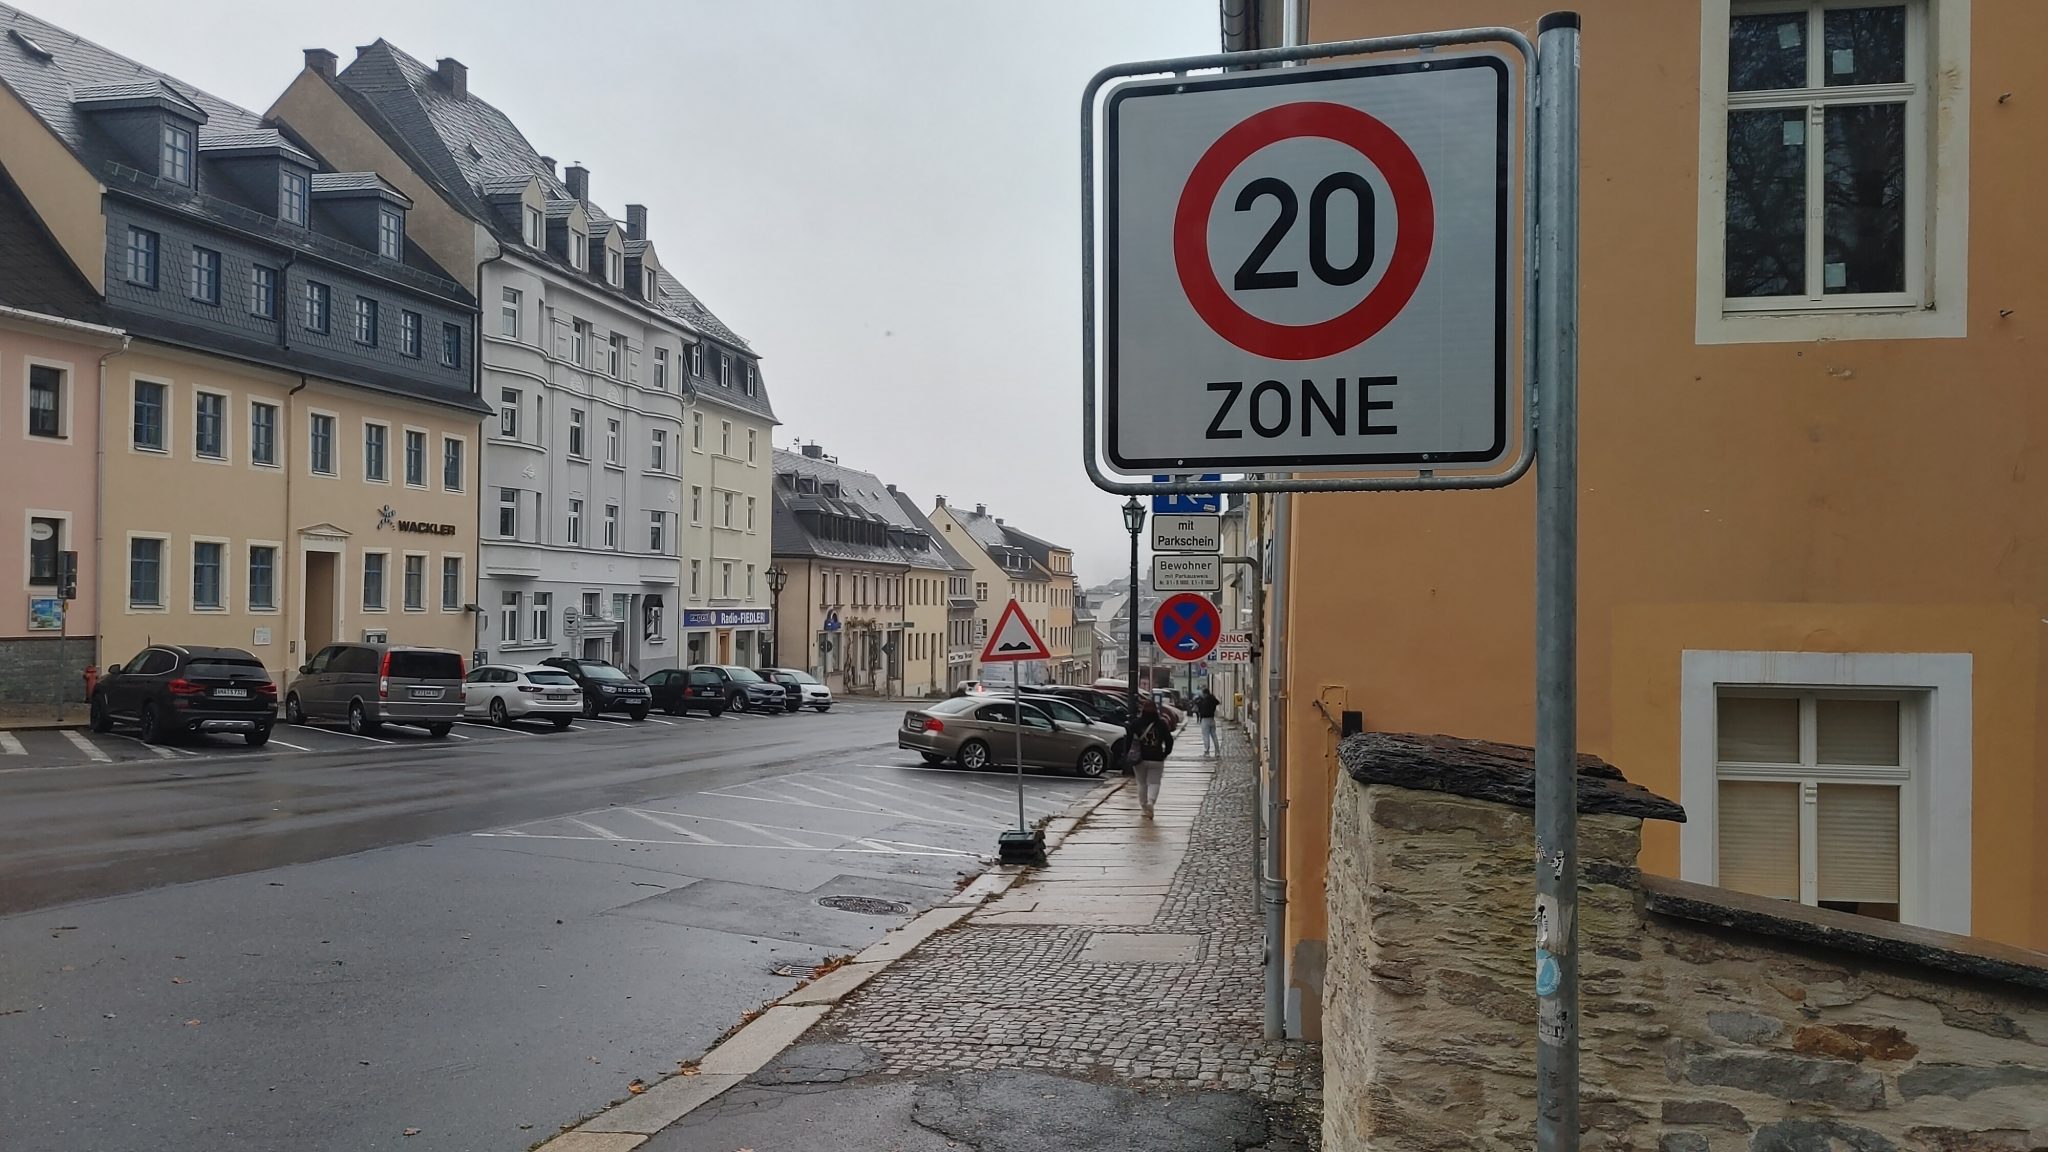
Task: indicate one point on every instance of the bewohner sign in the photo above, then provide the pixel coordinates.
(1196, 573)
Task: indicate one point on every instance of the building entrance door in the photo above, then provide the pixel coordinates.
(724, 646)
(320, 600)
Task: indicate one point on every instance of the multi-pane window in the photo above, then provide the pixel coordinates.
(576, 432)
(725, 579)
(45, 546)
(262, 291)
(390, 233)
(320, 444)
(614, 267)
(1810, 796)
(697, 430)
(45, 401)
(150, 400)
(415, 583)
(579, 342)
(750, 513)
(611, 526)
(661, 368)
(508, 615)
(177, 154)
(376, 443)
(611, 441)
(657, 449)
(409, 333)
(291, 196)
(508, 314)
(209, 425)
(696, 504)
(1825, 168)
(508, 413)
(146, 572)
(725, 438)
(142, 246)
(750, 581)
(576, 255)
(615, 355)
(206, 590)
(317, 300)
(543, 617)
(536, 228)
(750, 377)
(575, 534)
(451, 583)
(366, 321)
(416, 458)
(451, 345)
(753, 444)
(373, 581)
(262, 577)
(204, 280)
(725, 370)
(696, 577)
(451, 464)
(725, 509)
(654, 532)
(508, 513)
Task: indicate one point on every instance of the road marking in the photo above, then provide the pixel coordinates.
(91, 751)
(767, 847)
(663, 723)
(875, 810)
(605, 833)
(666, 826)
(457, 736)
(980, 802)
(353, 736)
(10, 745)
(884, 795)
(293, 747)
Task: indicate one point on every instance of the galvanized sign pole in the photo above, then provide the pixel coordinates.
(1557, 584)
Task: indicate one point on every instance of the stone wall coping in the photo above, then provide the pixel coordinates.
(1843, 931)
(1483, 770)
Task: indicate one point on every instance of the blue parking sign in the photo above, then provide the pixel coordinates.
(1186, 504)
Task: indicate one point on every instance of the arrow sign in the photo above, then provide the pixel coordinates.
(1188, 626)
(1013, 638)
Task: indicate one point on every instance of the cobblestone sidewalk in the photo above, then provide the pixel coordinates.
(1169, 994)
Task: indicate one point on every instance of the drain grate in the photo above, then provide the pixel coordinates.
(865, 905)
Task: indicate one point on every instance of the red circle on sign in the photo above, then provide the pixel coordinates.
(1414, 234)
(1187, 616)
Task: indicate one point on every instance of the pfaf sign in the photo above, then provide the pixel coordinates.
(1307, 268)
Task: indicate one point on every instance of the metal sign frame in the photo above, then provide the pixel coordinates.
(1425, 479)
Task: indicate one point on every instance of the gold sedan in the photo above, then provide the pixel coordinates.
(980, 732)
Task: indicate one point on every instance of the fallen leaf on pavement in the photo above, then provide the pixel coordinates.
(687, 1068)
(179, 980)
(191, 1023)
(636, 1087)
(410, 1132)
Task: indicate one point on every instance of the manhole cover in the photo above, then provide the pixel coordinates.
(798, 971)
(865, 905)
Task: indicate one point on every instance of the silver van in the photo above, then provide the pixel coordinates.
(369, 685)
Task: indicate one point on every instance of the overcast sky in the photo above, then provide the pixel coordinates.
(881, 195)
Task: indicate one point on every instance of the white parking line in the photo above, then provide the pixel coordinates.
(293, 747)
(884, 795)
(664, 825)
(588, 826)
(10, 745)
(874, 809)
(91, 751)
(875, 851)
(663, 723)
(980, 801)
(353, 736)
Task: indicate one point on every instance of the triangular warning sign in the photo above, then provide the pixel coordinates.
(1014, 639)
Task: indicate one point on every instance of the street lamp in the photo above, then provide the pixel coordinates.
(777, 581)
(1134, 522)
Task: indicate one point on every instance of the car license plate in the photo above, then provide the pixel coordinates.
(231, 693)
(426, 693)
(558, 695)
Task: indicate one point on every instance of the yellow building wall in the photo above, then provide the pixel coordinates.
(1825, 496)
(65, 195)
(924, 610)
(185, 499)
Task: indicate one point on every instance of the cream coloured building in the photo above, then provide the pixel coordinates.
(1013, 565)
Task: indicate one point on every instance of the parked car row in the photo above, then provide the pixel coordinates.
(171, 689)
(979, 732)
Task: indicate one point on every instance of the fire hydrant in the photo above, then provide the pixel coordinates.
(92, 677)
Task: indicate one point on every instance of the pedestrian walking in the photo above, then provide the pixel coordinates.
(1151, 740)
(1205, 711)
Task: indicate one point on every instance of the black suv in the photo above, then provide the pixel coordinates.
(605, 687)
(170, 689)
(1107, 707)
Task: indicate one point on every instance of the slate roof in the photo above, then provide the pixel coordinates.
(267, 140)
(469, 147)
(353, 182)
(862, 496)
(953, 557)
(35, 274)
(993, 536)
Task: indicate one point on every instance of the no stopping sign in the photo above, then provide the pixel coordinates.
(1307, 268)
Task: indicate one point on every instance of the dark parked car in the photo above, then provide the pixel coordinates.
(170, 689)
(605, 687)
(686, 690)
(744, 691)
(370, 685)
(1107, 707)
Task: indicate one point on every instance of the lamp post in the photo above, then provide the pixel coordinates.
(1134, 521)
(777, 581)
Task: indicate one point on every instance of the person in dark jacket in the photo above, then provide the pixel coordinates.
(1205, 711)
(1151, 737)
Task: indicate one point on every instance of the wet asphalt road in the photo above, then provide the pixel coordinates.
(322, 945)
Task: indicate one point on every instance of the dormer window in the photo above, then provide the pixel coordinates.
(536, 228)
(576, 257)
(291, 196)
(647, 287)
(724, 370)
(177, 154)
(614, 268)
(390, 233)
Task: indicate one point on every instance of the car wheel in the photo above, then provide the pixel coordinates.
(499, 716)
(736, 704)
(259, 737)
(99, 720)
(359, 720)
(589, 708)
(153, 725)
(792, 706)
(823, 708)
(974, 756)
(294, 712)
(561, 723)
(440, 731)
(1094, 762)
(672, 708)
(639, 713)
(717, 712)
(932, 757)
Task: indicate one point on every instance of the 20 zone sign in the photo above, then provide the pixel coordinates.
(1307, 268)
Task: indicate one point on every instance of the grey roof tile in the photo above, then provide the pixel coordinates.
(863, 496)
(349, 182)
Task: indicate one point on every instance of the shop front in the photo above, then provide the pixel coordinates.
(726, 635)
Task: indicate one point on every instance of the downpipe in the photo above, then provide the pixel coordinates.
(1273, 883)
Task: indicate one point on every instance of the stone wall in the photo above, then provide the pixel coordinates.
(1710, 1021)
(34, 669)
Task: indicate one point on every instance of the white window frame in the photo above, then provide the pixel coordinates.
(462, 461)
(578, 250)
(543, 618)
(750, 513)
(411, 333)
(275, 607)
(513, 502)
(461, 563)
(166, 414)
(293, 196)
(511, 605)
(1935, 804)
(390, 233)
(725, 579)
(383, 579)
(278, 434)
(404, 560)
(386, 478)
(660, 367)
(696, 504)
(536, 227)
(178, 153)
(696, 579)
(227, 434)
(574, 524)
(66, 393)
(657, 450)
(753, 446)
(163, 573)
(313, 416)
(612, 432)
(611, 527)
(614, 267)
(697, 431)
(579, 343)
(578, 443)
(405, 453)
(657, 533)
(510, 401)
(508, 313)
(1936, 304)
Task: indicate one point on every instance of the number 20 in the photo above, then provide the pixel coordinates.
(1252, 275)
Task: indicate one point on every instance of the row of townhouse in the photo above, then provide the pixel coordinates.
(887, 599)
(365, 366)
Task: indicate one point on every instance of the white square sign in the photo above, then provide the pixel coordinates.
(1307, 268)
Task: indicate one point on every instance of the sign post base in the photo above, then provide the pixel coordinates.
(1017, 846)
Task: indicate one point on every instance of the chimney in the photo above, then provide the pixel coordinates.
(577, 177)
(548, 162)
(891, 488)
(981, 509)
(999, 521)
(454, 77)
(939, 500)
(636, 221)
(320, 61)
(814, 452)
